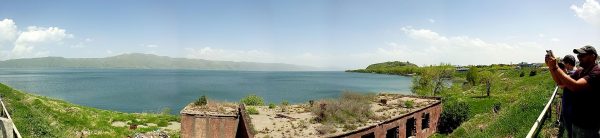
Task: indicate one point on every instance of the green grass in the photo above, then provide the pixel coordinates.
(38, 116)
(521, 100)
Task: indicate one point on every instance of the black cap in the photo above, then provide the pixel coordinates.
(585, 50)
(569, 59)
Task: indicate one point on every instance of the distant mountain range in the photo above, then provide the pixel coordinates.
(147, 61)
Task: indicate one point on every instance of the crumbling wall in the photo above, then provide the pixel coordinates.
(381, 130)
(208, 126)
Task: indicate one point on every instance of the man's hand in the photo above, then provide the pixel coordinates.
(551, 62)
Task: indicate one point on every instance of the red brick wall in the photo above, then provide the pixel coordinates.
(381, 130)
(196, 126)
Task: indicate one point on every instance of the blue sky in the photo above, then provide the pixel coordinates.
(343, 34)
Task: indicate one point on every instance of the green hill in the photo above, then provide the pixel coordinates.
(391, 64)
(393, 67)
(147, 61)
(38, 116)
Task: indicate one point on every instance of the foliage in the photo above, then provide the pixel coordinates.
(285, 103)
(472, 76)
(453, 114)
(271, 105)
(201, 101)
(409, 104)
(522, 74)
(252, 110)
(253, 100)
(533, 72)
(350, 108)
(431, 80)
(521, 100)
(487, 77)
(394, 68)
(325, 129)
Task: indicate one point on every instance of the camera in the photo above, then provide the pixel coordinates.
(549, 52)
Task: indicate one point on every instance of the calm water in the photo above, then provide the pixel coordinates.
(137, 90)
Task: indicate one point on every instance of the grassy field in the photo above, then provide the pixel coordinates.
(517, 96)
(38, 116)
(520, 100)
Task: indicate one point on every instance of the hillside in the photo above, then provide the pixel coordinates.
(514, 103)
(147, 61)
(392, 67)
(38, 116)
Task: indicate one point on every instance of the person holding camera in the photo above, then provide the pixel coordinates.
(585, 87)
(567, 65)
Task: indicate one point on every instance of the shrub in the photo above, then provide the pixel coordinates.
(201, 101)
(285, 103)
(325, 129)
(253, 100)
(532, 72)
(252, 111)
(453, 114)
(350, 108)
(522, 74)
(271, 105)
(166, 111)
(409, 104)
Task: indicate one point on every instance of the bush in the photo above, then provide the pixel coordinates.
(533, 73)
(409, 104)
(350, 108)
(522, 74)
(285, 103)
(325, 129)
(253, 100)
(201, 101)
(271, 105)
(252, 111)
(453, 114)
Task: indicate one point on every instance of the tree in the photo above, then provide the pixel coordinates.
(431, 79)
(472, 75)
(487, 77)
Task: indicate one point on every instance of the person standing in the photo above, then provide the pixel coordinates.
(585, 87)
(565, 118)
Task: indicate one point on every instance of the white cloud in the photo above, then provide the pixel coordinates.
(554, 39)
(37, 36)
(589, 12)
(430, 47)
(34, 41)
(8, 32)
(431, 21)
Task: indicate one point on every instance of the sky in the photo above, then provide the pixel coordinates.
(340, 34)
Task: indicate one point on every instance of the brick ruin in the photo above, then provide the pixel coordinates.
(417, 122)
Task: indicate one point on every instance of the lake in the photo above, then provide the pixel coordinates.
(150, 90)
